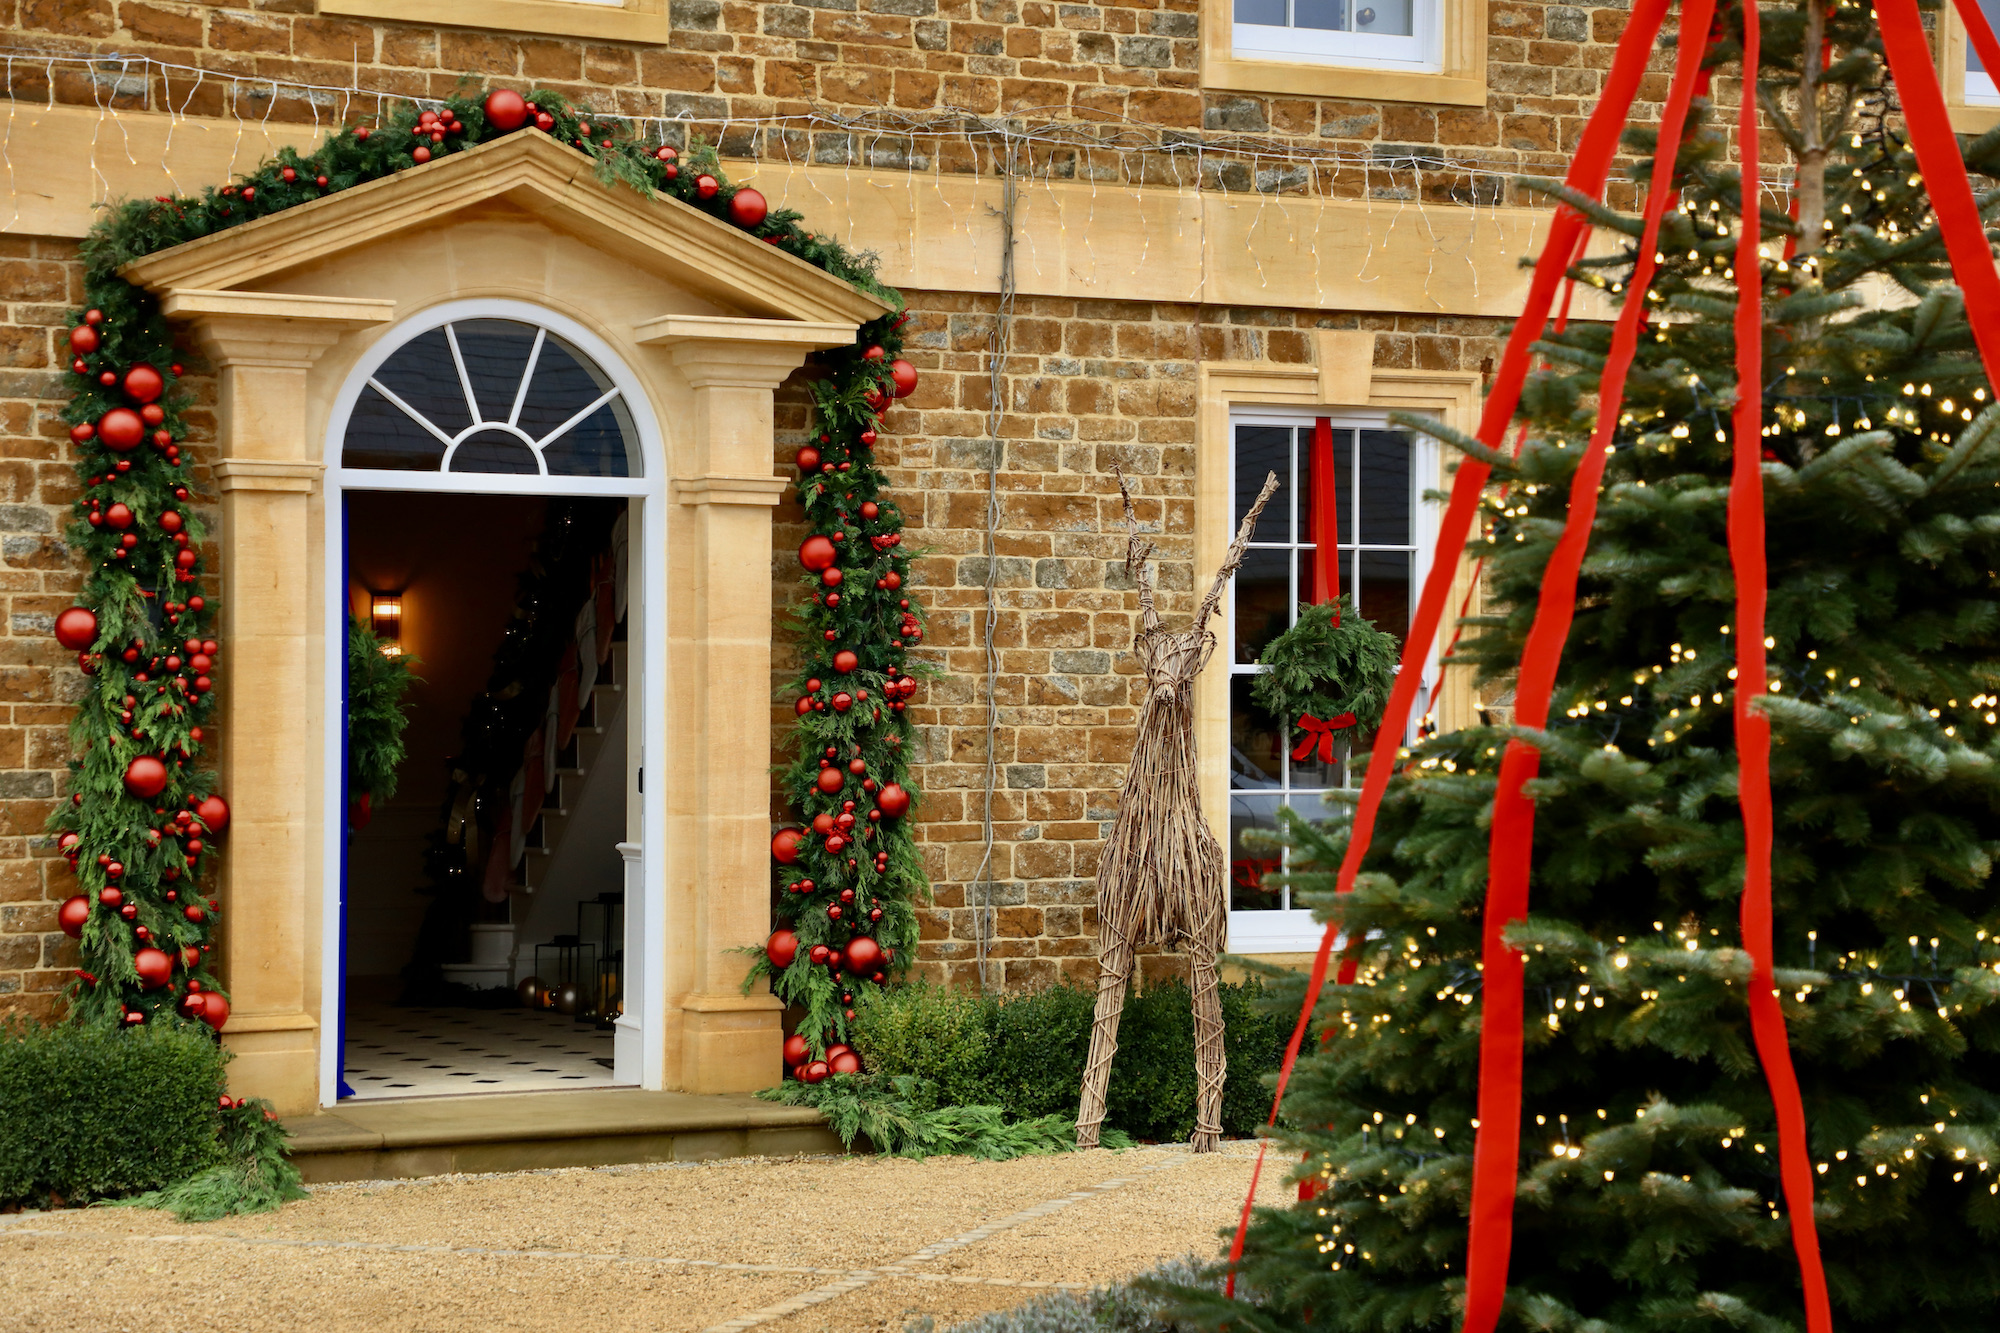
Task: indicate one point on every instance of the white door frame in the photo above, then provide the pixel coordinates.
(639, 1049)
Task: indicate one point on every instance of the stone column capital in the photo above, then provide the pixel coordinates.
(271, 330)
(726, 352)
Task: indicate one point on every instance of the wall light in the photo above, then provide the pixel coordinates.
(385, 609)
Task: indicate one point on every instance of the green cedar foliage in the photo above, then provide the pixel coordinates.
(902, 1115)
(1648, 1191)
(376, 713)
(1329, 662)
(89, 1113)
(875, 617)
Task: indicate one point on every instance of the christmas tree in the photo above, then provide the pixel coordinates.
(1647, 1194)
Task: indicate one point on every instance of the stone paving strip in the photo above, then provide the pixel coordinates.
(902, 1267)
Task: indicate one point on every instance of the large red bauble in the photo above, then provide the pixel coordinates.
(781, 948)
(154, 968)
(83, 340)
(905, 376)
(796, 1051)
(506, 110)
(118, 516)
(146, 777)
(893, 801)
(863, 955)
(831, 780)
(143, 384)
(817, 553)
(808, 459)
(845, 661)
(847, 1062)
(747, 207)
(815, 1072)
(213, 814)
(785, 847)
(822, 823)
(842, 702)
(121, 430)
(214, 1009)
(76, 628)
(72, 914)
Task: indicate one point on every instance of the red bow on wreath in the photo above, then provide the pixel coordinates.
(1322, 732)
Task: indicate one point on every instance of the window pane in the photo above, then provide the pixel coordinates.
(1268, 12)
(1256, 740)
(565, 383)
(495, 352)
(1387, 18)
(604, 444)
(1261, 450)
(1248, 866)
(1385, 590)
(1385, 488)
(1263, 590)
(494, 451)
(421, 373)
(382, 435)
(1309, 559)
(1329, 14)
(1990, 8)
(1343, 484)
(1313, 772)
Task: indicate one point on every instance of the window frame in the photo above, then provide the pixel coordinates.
(1971, 100)
(1453, 73)
(1421, 52)
(1289, 929)
(610, 20)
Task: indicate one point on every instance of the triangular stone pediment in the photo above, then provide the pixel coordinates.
(557, 185)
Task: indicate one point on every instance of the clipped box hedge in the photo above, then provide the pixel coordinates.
(89, 1113)
(1025, 1053)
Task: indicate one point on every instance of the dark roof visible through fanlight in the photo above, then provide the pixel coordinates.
(492, 396)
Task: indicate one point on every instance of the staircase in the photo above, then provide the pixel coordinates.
(573, 764)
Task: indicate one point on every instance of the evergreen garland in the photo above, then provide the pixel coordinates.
(1648, 1191)
(376, 686)
(1329, 663)
(144, 701)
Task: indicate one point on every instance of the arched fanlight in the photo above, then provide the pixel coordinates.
(492, 396)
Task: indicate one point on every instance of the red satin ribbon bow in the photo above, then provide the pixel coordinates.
(1322, 732)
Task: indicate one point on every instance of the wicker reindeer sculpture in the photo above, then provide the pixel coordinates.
(1162, 877)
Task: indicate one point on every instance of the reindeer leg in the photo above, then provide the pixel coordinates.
(1114, 969)
(1210, 1055)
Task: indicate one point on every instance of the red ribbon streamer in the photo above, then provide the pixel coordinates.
(1496, 1160)
(1325, 517)
(1321, 733)
(1588, 168)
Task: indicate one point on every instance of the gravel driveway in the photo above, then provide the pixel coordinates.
(792, 1245)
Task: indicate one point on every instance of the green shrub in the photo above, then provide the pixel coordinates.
(1025, 1053)
(87, 1113)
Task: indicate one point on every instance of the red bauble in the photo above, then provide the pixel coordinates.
(213, 814)
(842, 702)
(864, 955)
(831, 780)
(80, 434)
(874, 353)
(171, 521)
(815, 1072)
(845, 661)
(83, 340)
(143, 384)
(893, 801)
(838, 1048)
(121, 430)
(796, 1051)
(706, 186)
(808, 459)
(847, 1062)
(823, 823)
(747, 207)
(832, 577)
(817, 553)
(785, 847)
(214, 1009)
(76, 628)
(154, 968)
(118, 516)
(146, 777)
(72, 914)
(781, 948)
(870, 510)
(905, 376)
(820, 953)
(506, 110)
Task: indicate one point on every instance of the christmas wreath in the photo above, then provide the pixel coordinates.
(1330, 672)
(142, 814)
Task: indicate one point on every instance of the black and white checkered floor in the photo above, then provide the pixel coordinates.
(395, 1052)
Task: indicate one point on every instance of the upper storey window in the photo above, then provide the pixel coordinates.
(1374, 34)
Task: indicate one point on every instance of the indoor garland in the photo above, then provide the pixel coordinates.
(143, 812)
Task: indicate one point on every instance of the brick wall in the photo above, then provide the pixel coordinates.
(1087, 385)
(757, 58)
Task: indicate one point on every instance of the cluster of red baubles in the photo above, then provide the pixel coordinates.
(840, 1059)
(507, 111)
(122, 429)
(862, 957)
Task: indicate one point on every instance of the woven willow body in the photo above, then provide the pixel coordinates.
(1162, 880)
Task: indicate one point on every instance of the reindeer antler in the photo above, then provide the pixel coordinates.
(1137, 555)
(1232, 561)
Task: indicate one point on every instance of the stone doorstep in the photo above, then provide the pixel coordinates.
(428, 1136)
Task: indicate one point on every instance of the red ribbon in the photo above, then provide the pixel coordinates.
(1588, 168)
(1321, 732)
(1325, 517)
